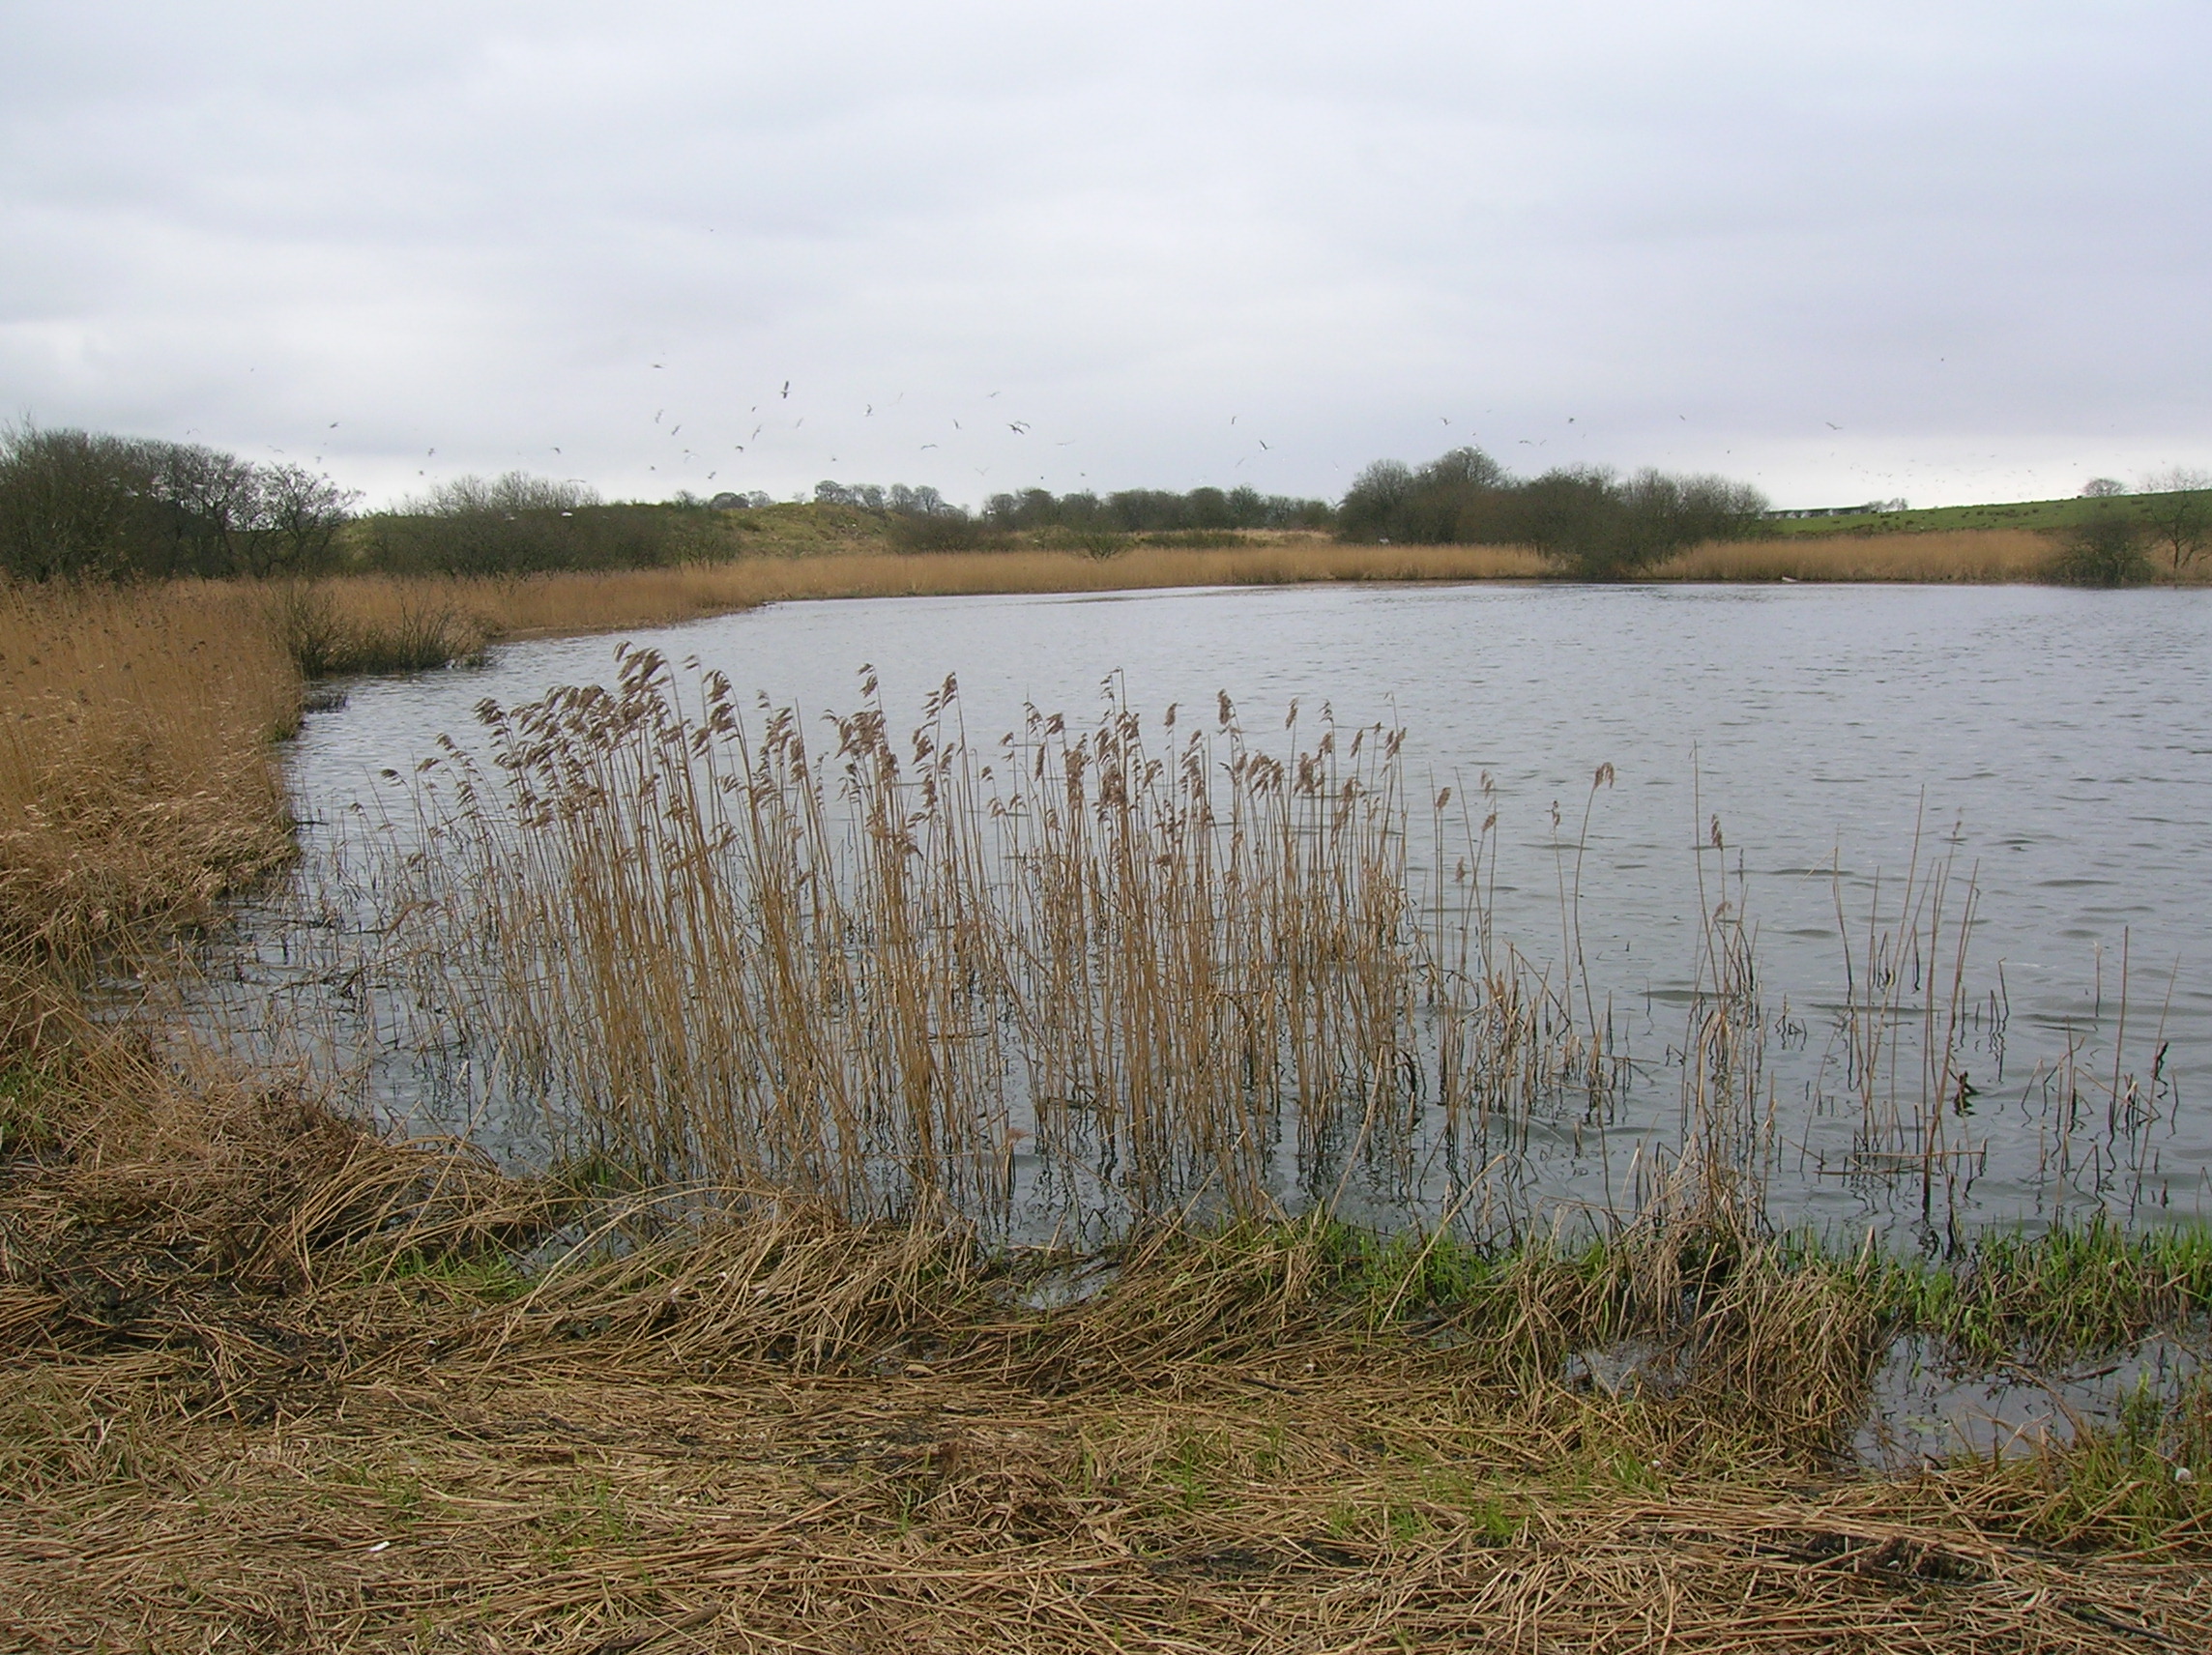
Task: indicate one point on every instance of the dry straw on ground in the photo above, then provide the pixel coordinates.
(278, 1394)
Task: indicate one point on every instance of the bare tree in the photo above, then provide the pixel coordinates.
(2177, 504)
(297, 517)
(73, 504)
(217, 497)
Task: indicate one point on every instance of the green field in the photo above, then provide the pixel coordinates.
(2037, 514)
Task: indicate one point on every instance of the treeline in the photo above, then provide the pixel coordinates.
(518, 524)
(80, 505)
(920, 519)
(1588, 521)
(76, 503)
(1156, 510)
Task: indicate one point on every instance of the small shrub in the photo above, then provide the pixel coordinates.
(2103, 550)
(950, 529)
(307, 625)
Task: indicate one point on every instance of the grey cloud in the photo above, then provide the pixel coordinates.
(1970, 235)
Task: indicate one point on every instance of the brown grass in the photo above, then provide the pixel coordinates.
(1969, 556)
(261, 1383)
(464, 614)
(137, 780)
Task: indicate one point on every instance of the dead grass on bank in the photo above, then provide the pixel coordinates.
(137, 774)
(268, 1381)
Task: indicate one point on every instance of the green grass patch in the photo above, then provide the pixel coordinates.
(2041, 515)
(30, 1108)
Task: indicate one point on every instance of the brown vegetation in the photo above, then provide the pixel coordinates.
(137, 781)
(537, 604)
(882, 972)
(269, 1380)
(1972, 556)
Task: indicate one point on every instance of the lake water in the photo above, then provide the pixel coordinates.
(2052, 746)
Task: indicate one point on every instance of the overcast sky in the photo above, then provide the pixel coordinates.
(1944, 251)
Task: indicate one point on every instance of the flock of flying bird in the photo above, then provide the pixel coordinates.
(694, 457)
(690, 458)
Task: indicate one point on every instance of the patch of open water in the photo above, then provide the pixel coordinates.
(2049, 746)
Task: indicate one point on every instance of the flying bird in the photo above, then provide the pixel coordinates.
(787, 391)
(333, 425)
(870, 412)
(1831, 425)
(1019, 428)
(928, 446)
(1265, 446)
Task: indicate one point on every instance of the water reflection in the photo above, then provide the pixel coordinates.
(1849, 769)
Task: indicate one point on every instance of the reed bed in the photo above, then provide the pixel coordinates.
(136, 781)
(1121, 968)
(396, 622)
(1986, 557)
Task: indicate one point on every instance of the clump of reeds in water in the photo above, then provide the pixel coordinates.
(1134, 969)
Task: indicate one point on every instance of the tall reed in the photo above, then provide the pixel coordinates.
(1969, 556)
(1116, 969)
(136, 778)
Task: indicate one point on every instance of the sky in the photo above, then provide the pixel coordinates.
(1944, 252)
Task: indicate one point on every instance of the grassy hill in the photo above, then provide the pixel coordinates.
(2033, 514)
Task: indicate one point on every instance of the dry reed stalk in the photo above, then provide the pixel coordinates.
(136, 781)
(1973, 556)
(924, 977)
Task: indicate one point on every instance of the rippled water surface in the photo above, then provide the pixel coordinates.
(2052, 746)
